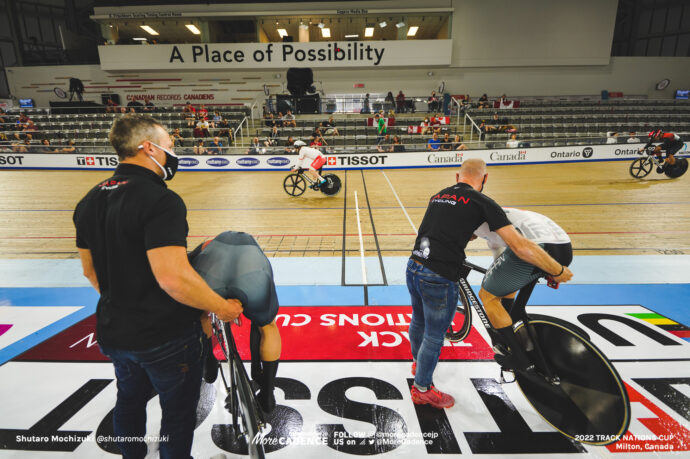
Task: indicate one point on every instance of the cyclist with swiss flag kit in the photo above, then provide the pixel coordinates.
(669, 142)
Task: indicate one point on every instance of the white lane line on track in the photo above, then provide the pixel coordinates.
(399, 202)
(361, 242)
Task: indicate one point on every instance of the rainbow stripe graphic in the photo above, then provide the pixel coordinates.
(671, 326)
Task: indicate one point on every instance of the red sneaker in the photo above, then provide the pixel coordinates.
(414, 368)
(433, 397)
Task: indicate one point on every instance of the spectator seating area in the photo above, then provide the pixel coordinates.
(537, 123)
(90, 131)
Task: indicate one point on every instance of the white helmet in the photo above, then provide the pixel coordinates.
(299, 143)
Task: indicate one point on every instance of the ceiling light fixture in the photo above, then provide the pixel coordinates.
(149, 30)
(321, 25)
(282, 33)
(352, 36)
(383, 24)
(303, 26)
(369, 32)
(139, 39)
(326, 32)
(400, 24)
(412, 31)
(194, 29)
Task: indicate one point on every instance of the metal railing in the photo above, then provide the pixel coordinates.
(354, 103)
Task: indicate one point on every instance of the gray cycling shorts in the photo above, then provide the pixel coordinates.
(508, 274)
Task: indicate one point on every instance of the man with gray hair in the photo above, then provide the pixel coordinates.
(132, 237)
(451, 219)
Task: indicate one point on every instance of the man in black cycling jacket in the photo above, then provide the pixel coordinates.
(670, 143)
(451, 219)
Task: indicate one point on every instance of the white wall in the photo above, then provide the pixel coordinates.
(532, 32)
(631, 75)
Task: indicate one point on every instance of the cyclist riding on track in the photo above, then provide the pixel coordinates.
(311, 159)
(670, 143)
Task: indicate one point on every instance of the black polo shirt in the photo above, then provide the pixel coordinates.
(118, 221)
(450, 220)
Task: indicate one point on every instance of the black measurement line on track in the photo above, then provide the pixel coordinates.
(373, 229)
(342, 263)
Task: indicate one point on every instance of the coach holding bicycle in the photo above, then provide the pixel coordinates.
(132, 237)
(436, 264)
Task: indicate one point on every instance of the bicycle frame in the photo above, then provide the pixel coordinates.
(517, 313)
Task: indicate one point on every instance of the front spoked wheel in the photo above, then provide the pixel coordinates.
(294, 185)
(641, 167)
(462, 322)
(585, 399)
(249, 412)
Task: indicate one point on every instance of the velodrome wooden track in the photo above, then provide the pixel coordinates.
(599, 204)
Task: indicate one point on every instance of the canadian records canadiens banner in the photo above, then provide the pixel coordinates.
(340, 161)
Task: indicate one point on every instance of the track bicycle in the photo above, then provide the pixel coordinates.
(642, 167)
(573, 386)
(295, 184)
(249, 425)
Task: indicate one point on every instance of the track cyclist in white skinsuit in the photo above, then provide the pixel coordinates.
(310, 159)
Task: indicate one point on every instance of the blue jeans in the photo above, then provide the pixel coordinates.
(173, 370)
(434, 301)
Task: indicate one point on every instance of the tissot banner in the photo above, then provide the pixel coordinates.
(371, 54)
(340, 160)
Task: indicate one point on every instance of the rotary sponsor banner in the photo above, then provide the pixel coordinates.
(372, 160)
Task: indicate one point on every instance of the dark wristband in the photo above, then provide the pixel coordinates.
(562, 269)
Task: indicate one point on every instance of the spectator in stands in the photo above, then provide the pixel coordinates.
(177, 138)
(329, 126)
(132, 110)
(316, 142)
(148, 107)
(22, 147)
(611, 137)
(400, 102)
(483, 98)
(202, 126)
(255, 148)
(398, 147)
(381, 128)
(495, 123)
(215, 120)
(633, 138)
(318, 136)
(199, 148)
(123, 110)
(30, 126)
(446, 144)
(110, 106)
(435, 122)
(434, 143)
(202, 113)
(366, 107)
(70, 148)
(513, 142)
(385, 145)
(389, 101)
(272, 139)
(269, 121)
(426, 126)
(482, 130)
(457, 143)
(432, 102)
(215, 147)
(289, 146)
(390, 115)
(289, 119)
(46, 147)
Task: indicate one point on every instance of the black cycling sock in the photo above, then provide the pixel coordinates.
(255, 350)
(266, 398)
(210, 363)
(517, 358)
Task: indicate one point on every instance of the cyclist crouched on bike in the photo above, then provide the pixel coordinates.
(671, 143)
(509, 273)
(451, 219)
(234, 266)
(311, 159)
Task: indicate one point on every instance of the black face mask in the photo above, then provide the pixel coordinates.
(171, 163)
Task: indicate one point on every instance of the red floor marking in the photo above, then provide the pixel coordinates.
(4, 328)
